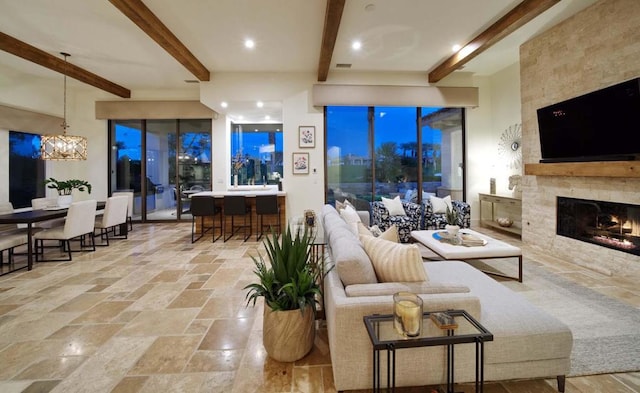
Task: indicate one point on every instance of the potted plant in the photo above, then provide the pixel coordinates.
(291, 289)
(452, 226)
(66, 187)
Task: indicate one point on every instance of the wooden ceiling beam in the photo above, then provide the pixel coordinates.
(40, 57)
(514, 19)
(145, 19)
(332, 18)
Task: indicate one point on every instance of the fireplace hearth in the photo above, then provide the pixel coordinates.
(608, 224)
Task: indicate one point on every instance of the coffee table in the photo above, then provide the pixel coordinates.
(384, 337)
(449, 249)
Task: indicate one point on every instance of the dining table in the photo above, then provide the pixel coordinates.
(31, 217)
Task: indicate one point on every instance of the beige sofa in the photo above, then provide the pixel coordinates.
(528, 343)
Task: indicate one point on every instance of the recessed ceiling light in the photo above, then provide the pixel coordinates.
(248, 43)
(259, 104)
(356, 45)
(267, 117)
(240, 117)
(224, 104)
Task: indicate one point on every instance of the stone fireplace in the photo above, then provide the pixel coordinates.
(608, 224)
(590, 61)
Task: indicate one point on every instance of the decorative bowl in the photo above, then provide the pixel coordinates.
(504, 221)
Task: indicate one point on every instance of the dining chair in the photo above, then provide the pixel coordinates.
(10, 236)
(205, 206)
(236, 205)
(41, 204)
(115, 214)
(78, 225)
(267, 205)
(129, 195)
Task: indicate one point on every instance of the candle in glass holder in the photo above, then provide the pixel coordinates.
(407, 313)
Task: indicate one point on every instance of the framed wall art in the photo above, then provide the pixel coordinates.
(300, 163)
(306, 136)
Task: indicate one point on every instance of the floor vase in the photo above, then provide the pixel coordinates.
(288, 335)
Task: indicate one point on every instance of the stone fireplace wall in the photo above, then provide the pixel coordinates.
(594, 49)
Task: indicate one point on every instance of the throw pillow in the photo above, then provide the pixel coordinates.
(375, 230)
(394, 206)
(394, 262)
(391, 234)
(440, 205)
(363, 230)
(351, 217)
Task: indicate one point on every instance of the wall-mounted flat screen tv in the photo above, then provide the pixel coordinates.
(603, 125)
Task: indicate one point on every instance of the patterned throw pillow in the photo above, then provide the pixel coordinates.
(394, 262)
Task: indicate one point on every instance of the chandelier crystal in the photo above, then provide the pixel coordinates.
(63, 147)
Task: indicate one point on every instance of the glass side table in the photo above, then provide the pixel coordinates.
(384, 337)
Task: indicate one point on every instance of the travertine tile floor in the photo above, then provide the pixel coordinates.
(157, 314)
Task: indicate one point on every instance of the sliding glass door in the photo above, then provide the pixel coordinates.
(177, 162)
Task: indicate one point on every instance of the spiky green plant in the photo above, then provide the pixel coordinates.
(452, 216)
(292, 281)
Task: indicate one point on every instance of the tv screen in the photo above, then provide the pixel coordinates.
(598, 126)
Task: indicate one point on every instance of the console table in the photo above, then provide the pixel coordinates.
(514, 205)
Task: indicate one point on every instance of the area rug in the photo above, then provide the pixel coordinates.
(606, 332)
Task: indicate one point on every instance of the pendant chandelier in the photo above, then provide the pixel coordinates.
(63, 147)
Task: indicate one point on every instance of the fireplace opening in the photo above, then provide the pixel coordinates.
(608, 224)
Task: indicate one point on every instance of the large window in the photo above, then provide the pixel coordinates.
(26, 169)
(256, 153)
(394, 151)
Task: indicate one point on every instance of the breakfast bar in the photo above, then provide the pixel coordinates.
(250, 192)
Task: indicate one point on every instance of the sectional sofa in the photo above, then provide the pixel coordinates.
(528, 343)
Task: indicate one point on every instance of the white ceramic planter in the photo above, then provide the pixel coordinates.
(65, 200)
(452, 229)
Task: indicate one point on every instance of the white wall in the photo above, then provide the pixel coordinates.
(304, 191)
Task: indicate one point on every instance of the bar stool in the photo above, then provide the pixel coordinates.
(267, 205)
(205, 206)
(236, 205)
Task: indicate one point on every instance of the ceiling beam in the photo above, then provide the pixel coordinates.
(513, 20)
(40, 57)
(150, 24)
(332, 18)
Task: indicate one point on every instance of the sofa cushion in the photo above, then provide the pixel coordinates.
(351, 261)
(394, 206)
(389, 288)
(522, 332)
(394, 262)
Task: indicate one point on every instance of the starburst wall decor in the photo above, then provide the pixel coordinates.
(510, 146)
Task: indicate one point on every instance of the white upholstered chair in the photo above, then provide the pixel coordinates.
(42, 203)
(128, 194)
(10, 235)
(115, 214)
(78, 225)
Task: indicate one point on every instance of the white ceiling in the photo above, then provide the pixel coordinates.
(397, 36)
